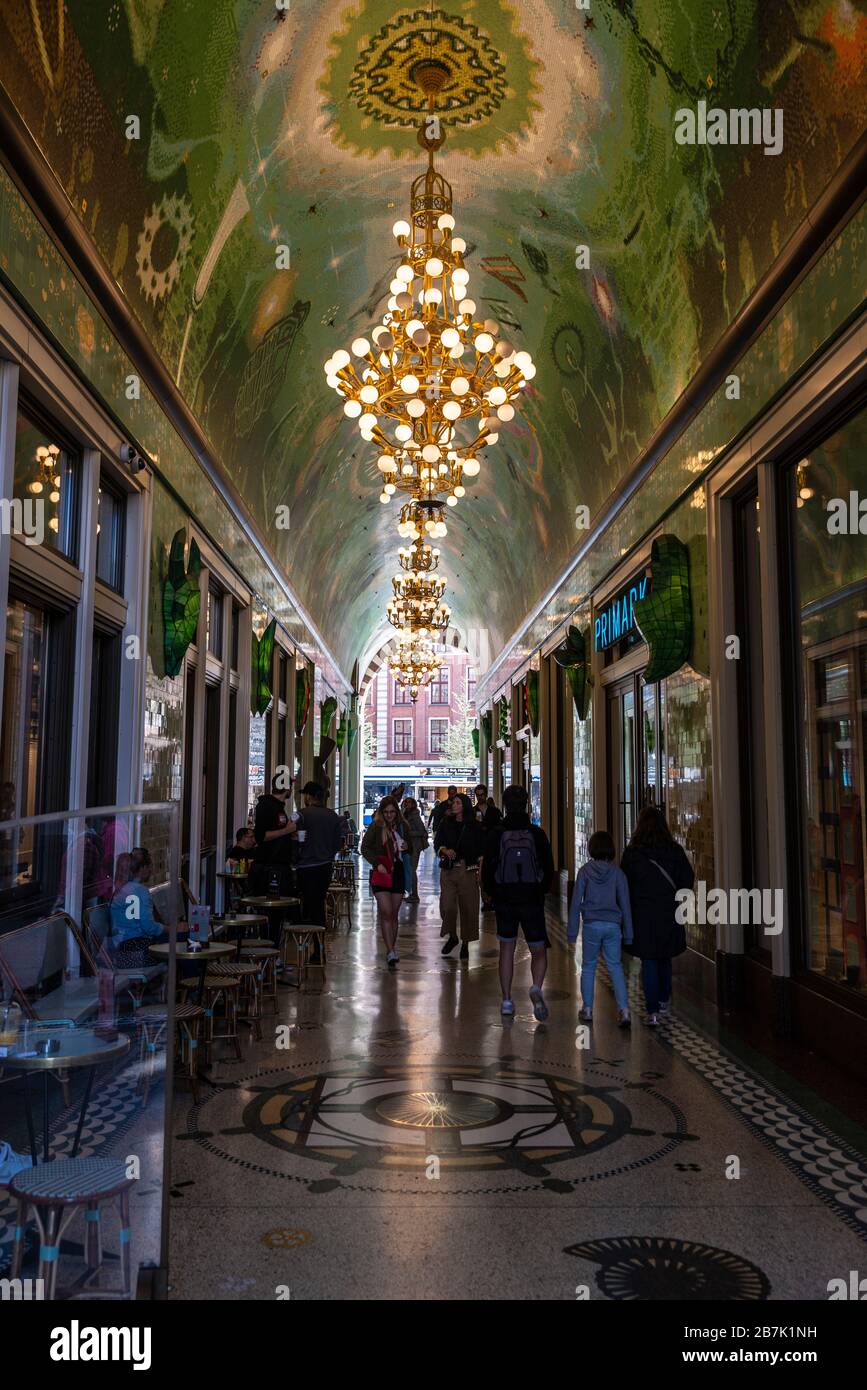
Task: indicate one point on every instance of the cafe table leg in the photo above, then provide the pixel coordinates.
(90, 1075)
(45, 1107)
(31, 1131)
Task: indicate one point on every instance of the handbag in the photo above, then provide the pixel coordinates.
(382, 874)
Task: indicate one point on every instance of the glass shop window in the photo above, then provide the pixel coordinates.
(830, 615)
(439, 687)
(110, 520)
(46, 481)
(439, 734)
(216, 605)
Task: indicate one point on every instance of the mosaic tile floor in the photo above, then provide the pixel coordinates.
(392, 1136)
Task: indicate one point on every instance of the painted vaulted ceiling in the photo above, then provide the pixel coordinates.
(260, 129)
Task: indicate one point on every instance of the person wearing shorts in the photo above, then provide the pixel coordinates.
(516, 874)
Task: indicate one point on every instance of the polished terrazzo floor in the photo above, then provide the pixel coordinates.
(391, 1136)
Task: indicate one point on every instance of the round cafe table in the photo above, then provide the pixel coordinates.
(79, 1047)
(241, 921)
(277, 906)
(215, 950)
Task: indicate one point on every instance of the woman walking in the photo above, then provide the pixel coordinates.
(460, 843)
(418, 842)
(656, 866)
(383, 847)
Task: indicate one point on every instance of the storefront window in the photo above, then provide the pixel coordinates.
(46, 476)
(582, 747)
(535, 746)
(20, 742)
(111, 506)
(830, 588)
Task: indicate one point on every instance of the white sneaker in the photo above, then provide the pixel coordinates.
(507, 1008)
(540, 1008)
(392, 958)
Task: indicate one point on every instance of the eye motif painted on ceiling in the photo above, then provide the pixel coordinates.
(163, 244)
(384, 86)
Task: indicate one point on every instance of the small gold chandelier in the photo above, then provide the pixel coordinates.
(414, 664)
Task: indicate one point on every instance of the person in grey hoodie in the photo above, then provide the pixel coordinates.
(601, 897)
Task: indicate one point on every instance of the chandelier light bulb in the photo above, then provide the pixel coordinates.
(496, 395)
(472, 467)
(459, 245)
(388, 489)
(352, 409)
(451, 410)
(409, 384)
(467, 306)
(403, 433)
(460, 490)
(523, 359)
(431, 452)
(450, 337)
(361, 347)
(458, 351)
(415, 408)
(460, 386)
(369, 395)
(406, 470)
(451, 500)
(386, 464)
(446, 222)
(506, 412)
(340, 359)
(530, 372)
(413, 326)
(434, 267)
(401, 229)
(383, 497)
(483, 342)
(433, 296)
(405, 273)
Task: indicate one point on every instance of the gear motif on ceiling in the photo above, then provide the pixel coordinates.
(383, 80)
(163, 244)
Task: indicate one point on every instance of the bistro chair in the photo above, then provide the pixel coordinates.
(55, 1193)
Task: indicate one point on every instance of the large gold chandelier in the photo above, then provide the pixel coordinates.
(429, 388)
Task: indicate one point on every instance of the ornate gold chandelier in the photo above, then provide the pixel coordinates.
(429, 388)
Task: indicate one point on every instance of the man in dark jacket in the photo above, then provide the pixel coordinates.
(517, 872)
(320, 837)
(439, 810)
(271, 872)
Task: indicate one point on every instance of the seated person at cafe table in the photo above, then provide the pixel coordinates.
(135, 922)
(241, 852)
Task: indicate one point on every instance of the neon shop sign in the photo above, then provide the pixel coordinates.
(616, 619)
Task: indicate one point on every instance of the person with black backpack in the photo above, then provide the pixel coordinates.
(517, 872)
(656, 866)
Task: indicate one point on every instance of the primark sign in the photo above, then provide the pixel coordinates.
(616, 618)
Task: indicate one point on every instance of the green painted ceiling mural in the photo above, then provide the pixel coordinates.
(259, 130)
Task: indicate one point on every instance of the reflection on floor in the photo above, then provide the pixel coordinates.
(400, 1139)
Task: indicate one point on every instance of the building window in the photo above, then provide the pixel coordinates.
(439, 733)
(46, 475)
(439, 688)
(216, 604)
(471, 685)
(104, 718)
(110, 517)
(402, 736)
(401, 695)
(829, 615)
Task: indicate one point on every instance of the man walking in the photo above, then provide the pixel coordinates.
(439, 810)
(320, 837)
(517, 872)
(487, 815)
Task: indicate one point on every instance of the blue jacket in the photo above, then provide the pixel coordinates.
(601, 895)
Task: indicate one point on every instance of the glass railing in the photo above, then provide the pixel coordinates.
(89, 905)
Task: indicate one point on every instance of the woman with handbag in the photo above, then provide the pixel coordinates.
(655, 866)
(384, 846)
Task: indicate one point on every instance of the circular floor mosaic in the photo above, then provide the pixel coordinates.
(370, 1127)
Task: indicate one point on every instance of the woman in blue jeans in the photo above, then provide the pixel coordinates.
(601, 897)
(656, 866)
